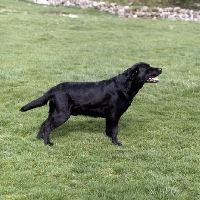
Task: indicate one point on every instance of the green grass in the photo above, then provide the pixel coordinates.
(160, 155)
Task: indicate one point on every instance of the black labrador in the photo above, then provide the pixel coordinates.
(107, 99)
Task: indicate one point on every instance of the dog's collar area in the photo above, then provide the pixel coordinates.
(153, 80)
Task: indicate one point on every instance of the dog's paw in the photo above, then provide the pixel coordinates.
(117, 143)
(49, 144)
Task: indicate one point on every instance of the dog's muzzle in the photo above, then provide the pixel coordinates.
(155, 79)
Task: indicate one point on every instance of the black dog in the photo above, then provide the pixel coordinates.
(107, 99)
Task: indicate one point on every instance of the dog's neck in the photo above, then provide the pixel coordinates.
(134, 89)
(131, 87)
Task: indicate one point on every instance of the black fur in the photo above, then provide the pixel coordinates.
(108, 99)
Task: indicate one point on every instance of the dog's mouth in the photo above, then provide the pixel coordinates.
(153, 76)
(152, 80)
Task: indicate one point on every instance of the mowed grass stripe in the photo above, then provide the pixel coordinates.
(159, 158)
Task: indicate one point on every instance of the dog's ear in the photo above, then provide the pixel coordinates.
(134, 73)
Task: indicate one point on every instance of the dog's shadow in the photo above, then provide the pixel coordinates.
(78, 124)
(84, 125)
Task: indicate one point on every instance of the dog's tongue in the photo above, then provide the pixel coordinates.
(153, 80)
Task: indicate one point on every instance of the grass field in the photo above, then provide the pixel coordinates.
(160, 157)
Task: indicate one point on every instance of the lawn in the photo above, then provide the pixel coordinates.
(160, 158)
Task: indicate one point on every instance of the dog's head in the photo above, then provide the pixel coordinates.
(144, 73)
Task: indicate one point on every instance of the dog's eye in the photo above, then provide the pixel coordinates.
(135, 72)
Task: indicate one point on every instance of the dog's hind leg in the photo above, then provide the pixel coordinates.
(41, 131)
(53, 122)
(42, 127)
(59, 113)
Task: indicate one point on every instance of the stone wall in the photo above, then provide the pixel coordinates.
(129, 11)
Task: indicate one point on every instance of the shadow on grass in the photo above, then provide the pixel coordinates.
(77, 125)
(89, 125)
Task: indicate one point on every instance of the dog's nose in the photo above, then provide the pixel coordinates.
(160, 70)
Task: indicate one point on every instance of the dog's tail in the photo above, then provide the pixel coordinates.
(41, 101)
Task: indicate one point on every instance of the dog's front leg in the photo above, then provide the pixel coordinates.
(112, 130)
(114, 135)
(109, 127)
